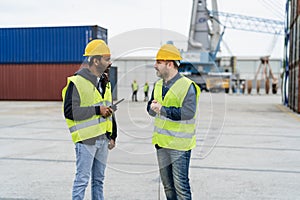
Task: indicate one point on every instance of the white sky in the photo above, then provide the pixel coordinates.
(123, 16)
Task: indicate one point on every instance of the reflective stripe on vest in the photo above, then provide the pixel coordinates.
(106, 103)
(87, 124)
(190, 121)
(172, 134)
(184, 126)
(89, 96)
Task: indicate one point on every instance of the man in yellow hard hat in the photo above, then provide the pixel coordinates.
(87, 99)
(173, 103)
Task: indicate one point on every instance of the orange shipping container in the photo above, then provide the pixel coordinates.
(34, 81)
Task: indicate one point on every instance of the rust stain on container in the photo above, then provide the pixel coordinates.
(34, 81)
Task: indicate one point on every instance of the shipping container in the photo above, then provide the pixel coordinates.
(298, 84)
(297, 97)
(293, 93)
(113, 76)
(34, 81)
(291, 88)
(293, 11)
(47, 44)
(294, 57)
(39, 81)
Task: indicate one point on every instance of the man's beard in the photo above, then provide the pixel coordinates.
(158, 74)
(100, 69)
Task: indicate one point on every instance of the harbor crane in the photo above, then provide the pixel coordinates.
(205, 36)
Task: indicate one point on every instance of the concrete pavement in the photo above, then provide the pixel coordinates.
(248, 148)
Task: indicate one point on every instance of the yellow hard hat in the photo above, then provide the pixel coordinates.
(96, 47)
(168, 52)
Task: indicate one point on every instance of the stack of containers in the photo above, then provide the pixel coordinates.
(294, 57)
(35, 61)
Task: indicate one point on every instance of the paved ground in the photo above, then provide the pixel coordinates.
(248, 148)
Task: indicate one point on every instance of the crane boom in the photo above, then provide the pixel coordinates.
(248, 23)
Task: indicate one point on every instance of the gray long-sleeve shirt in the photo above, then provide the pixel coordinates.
(188, 109)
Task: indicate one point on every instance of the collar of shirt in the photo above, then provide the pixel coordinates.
(168, 84)
(172, 81)
(99, 85)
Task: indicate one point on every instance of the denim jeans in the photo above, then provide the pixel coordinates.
(90, 160)
(174, 173)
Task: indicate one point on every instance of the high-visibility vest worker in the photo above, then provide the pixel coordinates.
(146, 87)
(179, 135)
(95, 125)
(89, 115)
(135, 86)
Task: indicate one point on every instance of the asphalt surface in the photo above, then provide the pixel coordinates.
(248, 148)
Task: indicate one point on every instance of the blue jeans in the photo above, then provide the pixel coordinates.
(90, 159)
(174, 173)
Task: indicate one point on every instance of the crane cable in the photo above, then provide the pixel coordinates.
(273, 43)
(273, 8)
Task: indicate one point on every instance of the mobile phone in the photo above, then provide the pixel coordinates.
(114, 106)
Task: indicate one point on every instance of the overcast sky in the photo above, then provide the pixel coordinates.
(125, 16)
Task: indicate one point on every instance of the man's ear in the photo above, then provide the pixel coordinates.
(96, 61)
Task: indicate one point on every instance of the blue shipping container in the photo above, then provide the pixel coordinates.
(47, 44)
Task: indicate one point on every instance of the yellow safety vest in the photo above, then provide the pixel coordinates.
(179, 135)
(89, 96)
(135, 86)
(146, 88)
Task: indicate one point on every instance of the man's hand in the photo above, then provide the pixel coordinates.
(155, 106)
(111, 144)
(105, 111)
